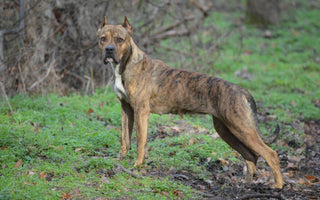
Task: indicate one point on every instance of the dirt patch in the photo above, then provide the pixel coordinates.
(181, 126)
(301, 172)
(228, 181)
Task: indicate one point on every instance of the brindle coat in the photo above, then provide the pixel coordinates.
(146, 85)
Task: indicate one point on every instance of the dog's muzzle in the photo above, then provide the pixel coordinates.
(110, 55)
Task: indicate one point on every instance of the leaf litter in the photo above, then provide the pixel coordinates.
(301, 172)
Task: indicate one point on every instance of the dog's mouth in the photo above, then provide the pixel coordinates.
(110, 59)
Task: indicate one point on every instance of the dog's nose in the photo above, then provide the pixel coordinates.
(109, 49)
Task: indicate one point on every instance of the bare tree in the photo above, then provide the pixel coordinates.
(56, 49)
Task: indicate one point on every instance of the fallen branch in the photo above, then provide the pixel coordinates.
(249, 196)
(127, 171)
(204, 194)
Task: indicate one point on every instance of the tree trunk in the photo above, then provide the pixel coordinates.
(263, 12)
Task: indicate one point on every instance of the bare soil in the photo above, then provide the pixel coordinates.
(301, 172)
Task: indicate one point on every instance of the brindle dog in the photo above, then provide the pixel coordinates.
(144, 85)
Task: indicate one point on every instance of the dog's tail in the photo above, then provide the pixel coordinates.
(271, 139)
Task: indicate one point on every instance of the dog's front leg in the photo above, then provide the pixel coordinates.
(142, 120)
(126, 128)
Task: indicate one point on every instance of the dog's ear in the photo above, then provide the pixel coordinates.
(127, 25)
(104, 22)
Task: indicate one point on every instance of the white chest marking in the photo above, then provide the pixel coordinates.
(118, 85)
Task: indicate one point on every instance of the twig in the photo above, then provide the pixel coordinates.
(22, 78)
(249, 196)
(88, 83)
(5, 96)
(172, 33)
(204, 194)
(92, 80)
(173, 50)
(127, 171)
(51, 65)
(172, 26)
(202, 7)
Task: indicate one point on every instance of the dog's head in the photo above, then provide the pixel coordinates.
(114, 40)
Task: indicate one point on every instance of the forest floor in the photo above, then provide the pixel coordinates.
(66, 147)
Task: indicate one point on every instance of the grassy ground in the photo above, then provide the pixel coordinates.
(66, 147)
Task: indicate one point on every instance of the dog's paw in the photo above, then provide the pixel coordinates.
(277, 186)
(138, 163)
(122, 155)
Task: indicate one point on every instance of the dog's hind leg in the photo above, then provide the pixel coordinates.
(250, 157)
(247, 133)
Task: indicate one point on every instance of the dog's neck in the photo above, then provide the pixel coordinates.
(132, 57)
(137, 54)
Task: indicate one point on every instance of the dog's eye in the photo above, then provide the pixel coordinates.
(103, 39)
(119, 40)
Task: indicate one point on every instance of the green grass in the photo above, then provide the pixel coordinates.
(63, 148)
(68, 145)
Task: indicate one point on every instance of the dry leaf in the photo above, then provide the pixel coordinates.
(43, 175)
(293, 103)
(143, 172)
(29, 173)
(309, 177)
(312, 179)
(18, 164)
(223, 162)
(105, 179)
(295, 33)
(176, 129)
(78, 149)
(66, 196)
(291, 165)
(191, 141)
(90, 111)
(177, 192)
(301, 181)
(184, 144)
(60, 148)
(4, 147)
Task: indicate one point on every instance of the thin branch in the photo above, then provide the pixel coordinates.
(172, 26)
(22, 78)
(171, 33)
(204, 194)
(249, 196)
(127, 171)
(51, 65)
(5, 96)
